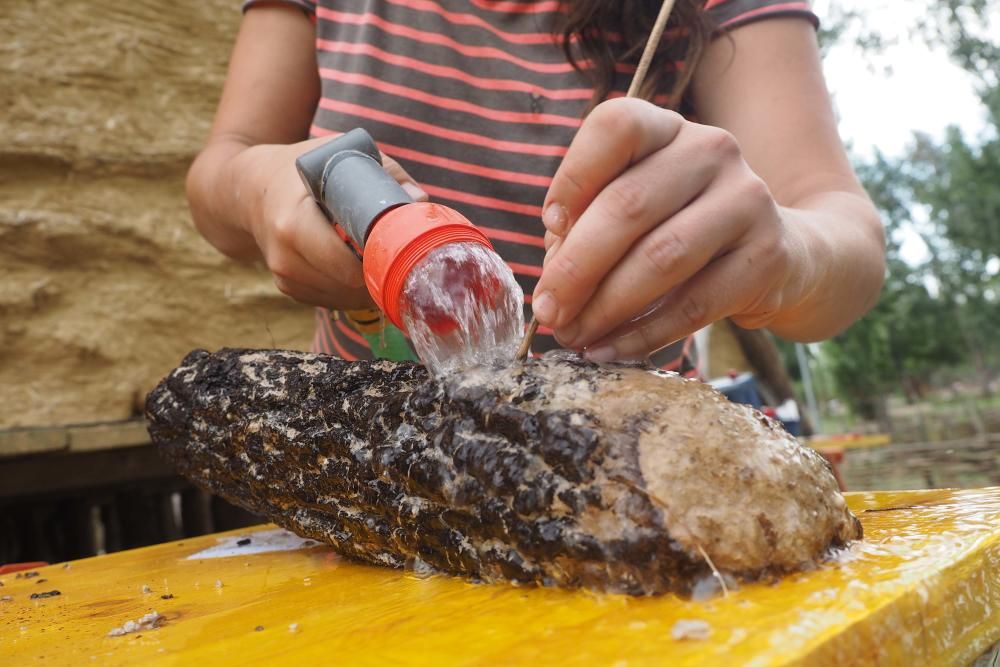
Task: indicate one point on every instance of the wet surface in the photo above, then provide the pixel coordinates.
(921, 589)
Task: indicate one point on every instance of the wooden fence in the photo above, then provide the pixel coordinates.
(76, 491)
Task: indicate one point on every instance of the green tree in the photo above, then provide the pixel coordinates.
(942, 313)
(908, 335)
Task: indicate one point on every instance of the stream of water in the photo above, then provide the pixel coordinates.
(462, 307)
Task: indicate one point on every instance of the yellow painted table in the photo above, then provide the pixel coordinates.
(849, 441)
(923, 589)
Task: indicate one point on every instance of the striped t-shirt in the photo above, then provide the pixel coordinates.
(476, 100)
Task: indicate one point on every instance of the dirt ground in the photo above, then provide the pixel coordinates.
(104, 284)
(968, 463)
(941, 443)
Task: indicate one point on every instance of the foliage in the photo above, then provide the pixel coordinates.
(943, 312)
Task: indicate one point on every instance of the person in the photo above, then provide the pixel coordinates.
(724, 191)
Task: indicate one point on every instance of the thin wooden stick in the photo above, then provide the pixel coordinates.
(522, 352)
(651, 44)
(633, 90)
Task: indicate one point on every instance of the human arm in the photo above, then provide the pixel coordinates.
(245, 194)
(755, 215)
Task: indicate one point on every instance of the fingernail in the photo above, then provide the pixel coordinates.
(601, 355)
(568, 334)
(554, 218)
(412, 189)
(545, 308)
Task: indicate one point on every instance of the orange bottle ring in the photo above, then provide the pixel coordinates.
(400, 239)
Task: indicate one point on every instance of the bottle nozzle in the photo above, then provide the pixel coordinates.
(404, 237)
(346, 178)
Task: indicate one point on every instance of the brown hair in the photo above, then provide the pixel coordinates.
(595, 22)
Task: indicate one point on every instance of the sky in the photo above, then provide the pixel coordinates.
(922, 91)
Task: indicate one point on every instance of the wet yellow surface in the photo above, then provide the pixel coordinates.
(922, 589)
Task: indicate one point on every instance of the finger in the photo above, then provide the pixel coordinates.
(552, 243)
(636, 202)
(290, 267)
(665, 257)
(406, 181)
(317, 242)
(302, 252)
(615, 134)
(722, 289)
(345, 298)
(553, 249)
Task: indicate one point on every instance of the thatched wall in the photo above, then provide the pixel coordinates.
(104, 283)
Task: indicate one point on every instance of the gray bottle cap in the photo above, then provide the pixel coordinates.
(346, 178)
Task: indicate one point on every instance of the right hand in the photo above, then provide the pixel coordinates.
(309, 261)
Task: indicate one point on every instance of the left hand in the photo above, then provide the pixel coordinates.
(648, 209)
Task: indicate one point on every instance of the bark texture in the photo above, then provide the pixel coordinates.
(556, 472)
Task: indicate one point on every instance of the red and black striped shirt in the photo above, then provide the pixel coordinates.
(476, 100)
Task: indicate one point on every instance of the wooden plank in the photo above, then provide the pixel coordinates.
(27, 441)
(77, 438)
(93, 437)
(922, 589)
(39, 475)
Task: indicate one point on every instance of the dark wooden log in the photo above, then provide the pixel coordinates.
(554, 472)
